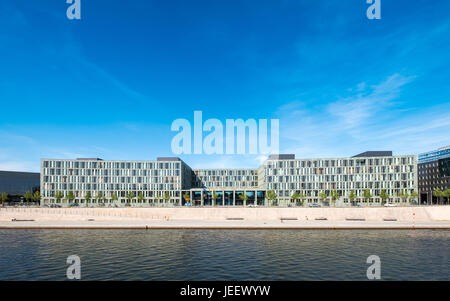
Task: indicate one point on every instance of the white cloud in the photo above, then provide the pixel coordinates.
(20, 166)
(371, 119)
(356, 110)
(260, 159)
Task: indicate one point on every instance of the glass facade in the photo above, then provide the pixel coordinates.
(311, 177)
(170, 181)
(441, 153)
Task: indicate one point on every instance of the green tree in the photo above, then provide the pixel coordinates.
(438, 194)
(88, 197)
(301, 198)
(403, 196)
(400, 194)
(70, 197)
(37, 196)
(58, 196)
(447, 194)
(367, 196)
(272, 197)
(99, 196)
(384, 196)
(166, 197)
(352, 197)
(28, 196)
(129, 196)
(414, 196)
(295, 196)
(243, 197)
(140, 197)
(335, 196)
(322, 196)
(214, 197)
(4, 197)
(114, 197)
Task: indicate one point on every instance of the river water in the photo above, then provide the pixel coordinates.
(225, 254)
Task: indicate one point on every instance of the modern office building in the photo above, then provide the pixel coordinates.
(17, 183)
(372, 171)
(155, 180)
(170, 181)
(434, 173)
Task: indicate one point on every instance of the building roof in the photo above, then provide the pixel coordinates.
(374, 154)
(18, 174)
(168, 159)
(282, 157)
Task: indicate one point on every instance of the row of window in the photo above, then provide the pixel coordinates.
(225, 172)
(343, 185)
(434, 155)
(344, 193)
(105, 194)
(339, 170)
(112, 172)
(109, 164)
(49, 187)
(92, 179)
(344, 178)
(410, 160)
(442, 181)
(230, 184)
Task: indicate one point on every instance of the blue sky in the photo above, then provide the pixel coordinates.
(110, 85)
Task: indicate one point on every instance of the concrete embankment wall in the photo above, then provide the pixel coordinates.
(406, 214)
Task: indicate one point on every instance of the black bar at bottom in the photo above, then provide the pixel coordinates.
(218, 290)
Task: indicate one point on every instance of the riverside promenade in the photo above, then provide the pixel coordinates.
(421, 217)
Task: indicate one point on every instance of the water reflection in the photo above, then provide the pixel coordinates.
(224, 255)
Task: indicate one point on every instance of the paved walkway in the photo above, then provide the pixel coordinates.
(223, 224)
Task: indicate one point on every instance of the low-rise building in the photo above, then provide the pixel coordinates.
(170, 181)
(16, 183)
(370, 171)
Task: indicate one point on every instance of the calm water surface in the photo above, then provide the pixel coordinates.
(224, 255)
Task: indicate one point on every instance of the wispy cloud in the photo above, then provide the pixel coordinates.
(13, 138)
(353, 111)
(20, 166)
(368, 119)
(341, 86)
(435, 122)
(114, 81)
(63, 50)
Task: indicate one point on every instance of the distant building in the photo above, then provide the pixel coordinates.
(434, 173)
(171, 181)
(16, 183)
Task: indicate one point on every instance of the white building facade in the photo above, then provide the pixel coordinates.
(393, 174)
(148, 181)
(171, 182)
